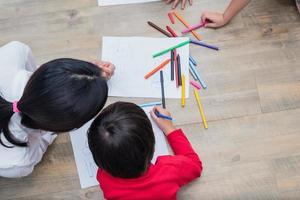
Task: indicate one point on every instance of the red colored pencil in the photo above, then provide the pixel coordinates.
(170, 15)
(176, 69)
(171, 31)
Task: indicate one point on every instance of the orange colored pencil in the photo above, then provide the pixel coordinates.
(157, 68)
(180, 18)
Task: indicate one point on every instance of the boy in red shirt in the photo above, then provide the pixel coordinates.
(121, 140)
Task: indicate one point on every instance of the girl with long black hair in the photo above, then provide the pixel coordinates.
(59, 96)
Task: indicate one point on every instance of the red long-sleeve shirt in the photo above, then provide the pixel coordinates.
(162, 180)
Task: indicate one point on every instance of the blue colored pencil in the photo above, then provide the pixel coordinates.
(193, 60)
(192, 72)
(204, 45)
(204, 86)
(158, 103)
(158, 114)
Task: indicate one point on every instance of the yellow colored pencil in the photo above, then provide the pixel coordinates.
(200, 108)
(184, 22)
(182, 90)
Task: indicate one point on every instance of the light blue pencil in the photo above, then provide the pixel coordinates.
(204, 86)
(193, 60)
(192, 73)
(150, 104)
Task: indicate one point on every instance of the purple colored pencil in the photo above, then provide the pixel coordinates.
(204, 45)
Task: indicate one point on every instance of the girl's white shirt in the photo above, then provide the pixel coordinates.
(16, 66)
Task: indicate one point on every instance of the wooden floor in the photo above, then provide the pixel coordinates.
(252, 147)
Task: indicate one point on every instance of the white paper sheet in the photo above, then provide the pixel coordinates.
(85, 164)
(118, 2)
(133, 59)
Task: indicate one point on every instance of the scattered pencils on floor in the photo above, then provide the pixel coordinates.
(177, 74)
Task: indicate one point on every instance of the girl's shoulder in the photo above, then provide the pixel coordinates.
(12, 89)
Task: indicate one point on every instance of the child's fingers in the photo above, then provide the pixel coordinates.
(106, 70)
(153, 115)
(207, 15)
(191, 2)
(162, 110)
(211, 25)
(176, 2)
(203, 17)
(183, 3)
(168, 1)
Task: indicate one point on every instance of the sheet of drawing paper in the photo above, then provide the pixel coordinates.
(118, 2)
(85, 164)
(133, 59)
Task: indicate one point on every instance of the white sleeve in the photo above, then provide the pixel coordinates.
(30, 64)
(14, 57)
(37, 146)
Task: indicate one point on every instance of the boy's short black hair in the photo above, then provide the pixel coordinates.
(121, 140)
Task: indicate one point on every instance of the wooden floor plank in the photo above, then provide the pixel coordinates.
(251, 149)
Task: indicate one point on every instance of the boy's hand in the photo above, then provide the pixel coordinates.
(176, 2)
(165, 125)
(213, 19)
(108, 68)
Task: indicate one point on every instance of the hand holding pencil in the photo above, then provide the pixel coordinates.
(163, 119)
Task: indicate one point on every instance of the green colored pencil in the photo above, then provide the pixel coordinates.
(171, 48)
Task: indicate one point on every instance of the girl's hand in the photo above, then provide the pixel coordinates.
(176, 2)
(165, 125)
(108, 68)
(213, 19)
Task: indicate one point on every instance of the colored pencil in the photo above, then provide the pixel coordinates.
(195, 85)
(171, 48)
(183, 90)
(200, 25)
(172, 32)
(157, 68)
(204, 45)
(197, 96)
(150, 104)
(176, 69)
(179, 70)
(159, 29)
(172, 65)
(193, 74)
(163, 100)
(203, 85)
(158, 114)
(192, 71)
(168, 35)
(184, 22)
(170, 15)
(193, 60)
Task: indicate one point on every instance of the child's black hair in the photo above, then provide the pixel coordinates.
(61, 95)
(121, 140)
